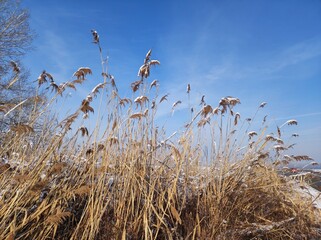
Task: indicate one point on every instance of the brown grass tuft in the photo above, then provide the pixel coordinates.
(130, 179)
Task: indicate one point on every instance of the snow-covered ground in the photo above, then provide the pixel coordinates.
(309, 192)
(315, 170)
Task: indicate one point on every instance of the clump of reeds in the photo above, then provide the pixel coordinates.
(127, 179)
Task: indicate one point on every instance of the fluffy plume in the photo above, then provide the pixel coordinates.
(113, 83)
(153, 84)
(216, 110)
(270, 138)
(206, 110)
(163, 98)
(144, 70)
(279, 140)
(233, 101)
(291, 146)
(264, 119)
(141, 100)
(262, 104)
(176, 103)
(228, 102)
(154, 62)
(236, 118)
(48, 75)
(251, 134)
(292, 122)
(57, 88)
(124, 101)
(188, 88)
(279, 148)
(89, 98)
(203, 122)
(153, 105)
(97, 87)
(95, 36)
(278, 131)
(301, 158)
(148, 54)
(82, 72)
(85, 108)
(137, 115)
(41, 79)
(44, 77)
(85, 116)
(135, 85)
(70, 85)
(288, 158)
(69, 120)
(84, 131)
(203, 100)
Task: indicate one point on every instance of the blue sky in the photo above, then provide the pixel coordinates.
(259, 51)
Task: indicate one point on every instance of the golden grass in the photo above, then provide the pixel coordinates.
(130, 181)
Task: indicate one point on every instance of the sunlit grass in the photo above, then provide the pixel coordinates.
(128, 179)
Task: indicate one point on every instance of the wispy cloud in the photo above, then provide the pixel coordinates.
(268, 67)
(299, 52)
(206, 76)
(300, 116)
(57, 52)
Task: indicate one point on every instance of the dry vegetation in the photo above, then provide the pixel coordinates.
(127, 179)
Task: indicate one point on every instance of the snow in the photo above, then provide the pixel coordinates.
(309, 192)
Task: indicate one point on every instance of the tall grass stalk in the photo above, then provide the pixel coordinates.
(126, 179)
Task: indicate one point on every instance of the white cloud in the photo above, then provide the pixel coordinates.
(300, 116)
(299, 52)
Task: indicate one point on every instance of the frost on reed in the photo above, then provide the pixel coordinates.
(129, 179)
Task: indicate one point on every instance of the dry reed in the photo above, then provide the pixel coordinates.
(135, 182)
